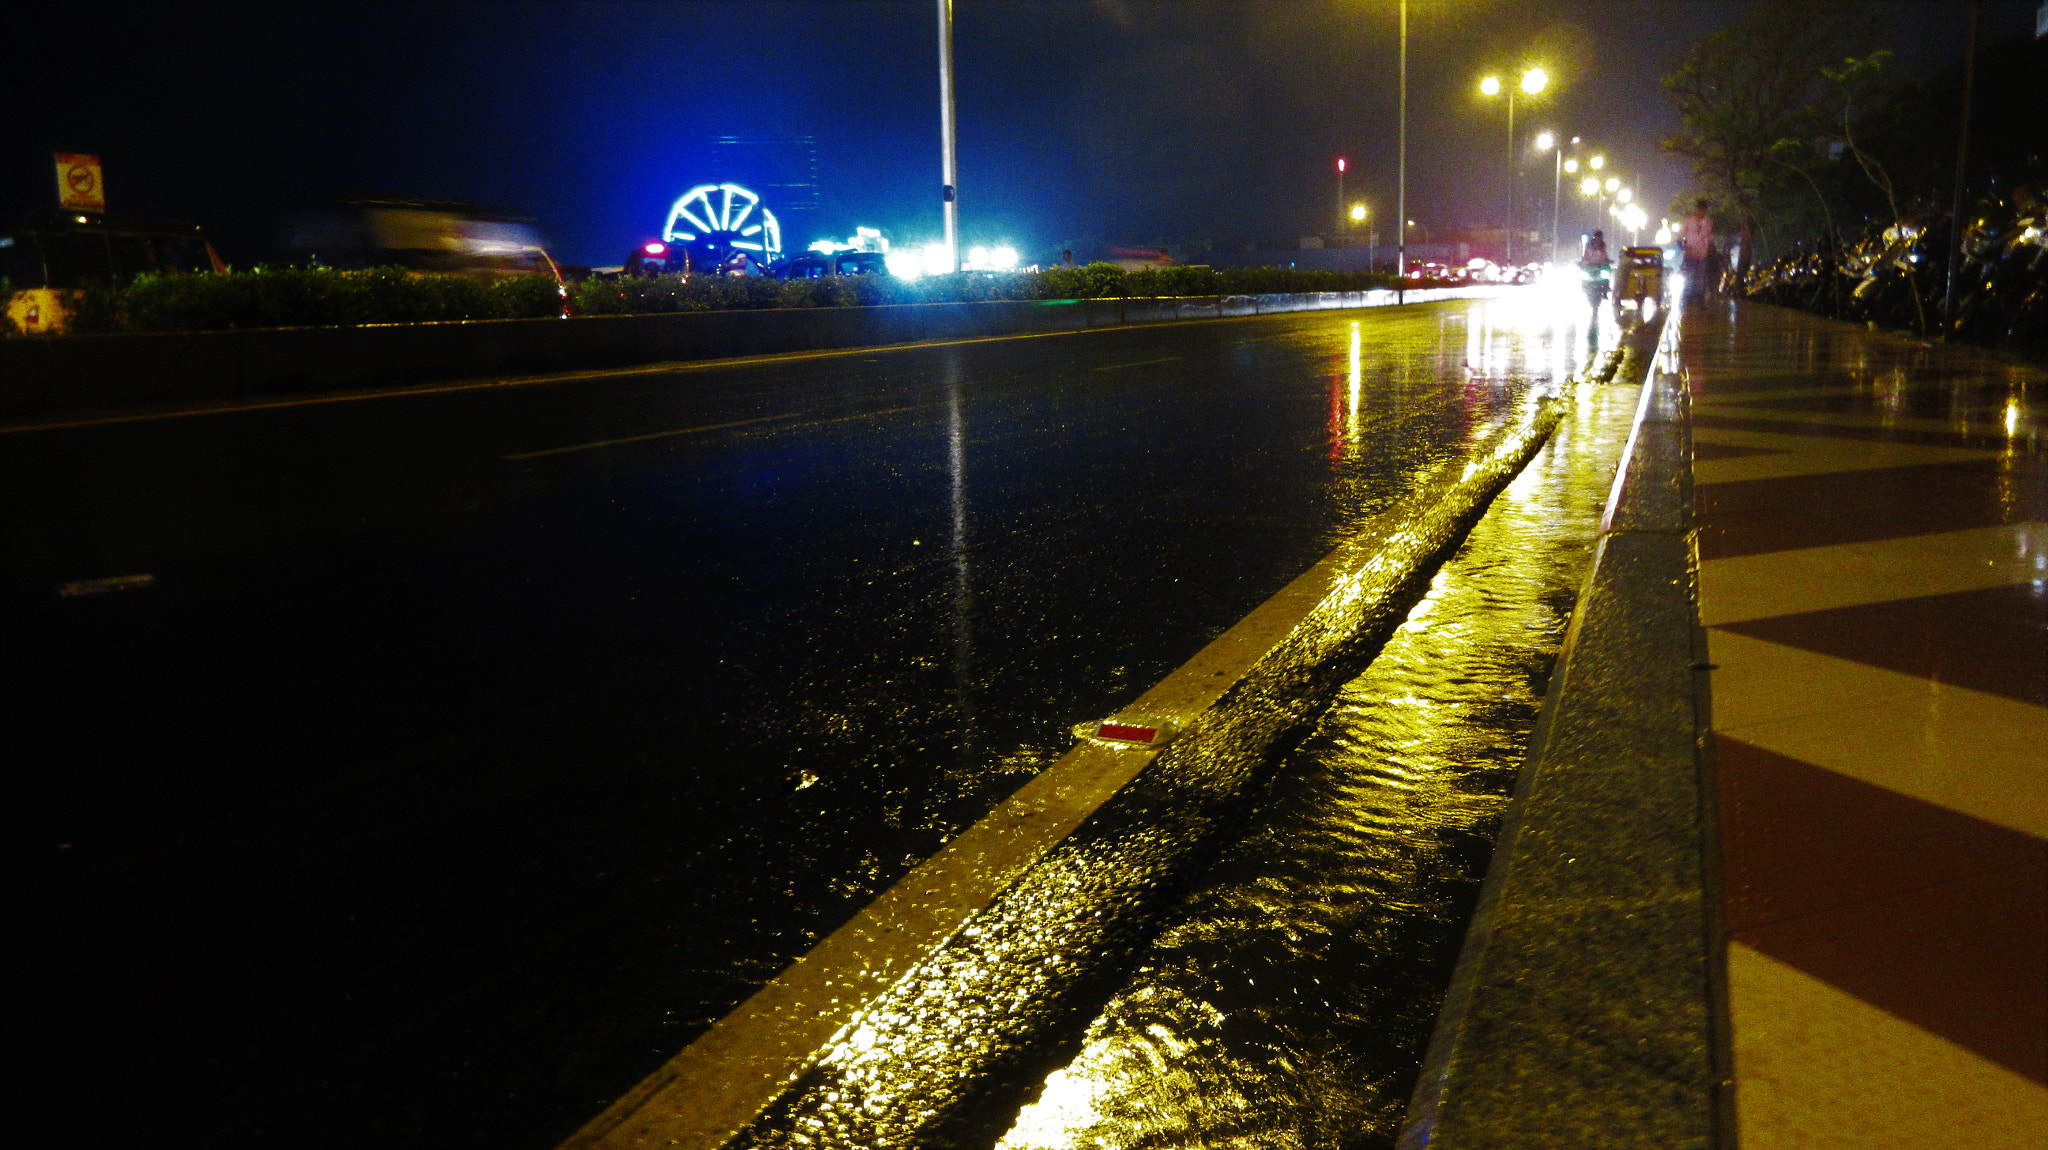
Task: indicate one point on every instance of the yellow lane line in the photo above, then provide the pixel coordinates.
(643, 438)
(1140, 363)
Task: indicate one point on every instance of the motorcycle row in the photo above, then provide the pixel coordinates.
(1896, 276)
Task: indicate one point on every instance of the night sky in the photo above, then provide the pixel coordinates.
(1083, 123)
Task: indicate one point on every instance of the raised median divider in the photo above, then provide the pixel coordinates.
(45, 376)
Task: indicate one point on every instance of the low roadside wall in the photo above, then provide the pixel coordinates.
(47, 375)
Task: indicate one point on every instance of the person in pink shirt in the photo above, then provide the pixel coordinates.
(1696, 236)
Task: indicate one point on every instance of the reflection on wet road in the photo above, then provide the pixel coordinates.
(1287, 1001)
(465, 755)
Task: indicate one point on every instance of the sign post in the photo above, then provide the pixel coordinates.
(78, 182)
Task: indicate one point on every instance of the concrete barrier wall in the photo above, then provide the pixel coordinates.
(45, 376)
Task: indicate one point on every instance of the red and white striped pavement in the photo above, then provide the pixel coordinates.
(1873, 541)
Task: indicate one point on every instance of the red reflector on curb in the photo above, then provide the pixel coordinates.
(1145, 732)
(1126, 733)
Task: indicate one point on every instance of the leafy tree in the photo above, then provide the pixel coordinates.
(1754, 98)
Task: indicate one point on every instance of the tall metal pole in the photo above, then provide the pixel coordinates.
(1401, 169)
(1955, 220)
(1556, 192)
(1507, 222)
(1340, 202)
(949, 189)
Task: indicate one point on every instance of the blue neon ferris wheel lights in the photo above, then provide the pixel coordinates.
(719, 214)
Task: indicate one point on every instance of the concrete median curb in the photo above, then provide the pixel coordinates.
(1586, 1009)
(976, 953)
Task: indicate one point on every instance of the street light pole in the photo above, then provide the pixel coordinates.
(1532, 81)
(1556, 194)
(949, 193)
(1340, 202)
(1401, 167)
(1507, 220)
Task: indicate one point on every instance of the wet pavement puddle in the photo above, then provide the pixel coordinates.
(1287, 1000)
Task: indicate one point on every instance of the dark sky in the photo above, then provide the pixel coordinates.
(1082, 122)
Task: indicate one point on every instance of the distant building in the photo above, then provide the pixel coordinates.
(783, 169)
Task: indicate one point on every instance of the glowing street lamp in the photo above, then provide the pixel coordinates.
(1590, 186)
(1597, 163)
(1362, 214)
(1533, 80)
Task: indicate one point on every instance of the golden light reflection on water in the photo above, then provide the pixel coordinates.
(1285, 1005)
(914, 1066)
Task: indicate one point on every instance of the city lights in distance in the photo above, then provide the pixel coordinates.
(908, 263)
(996, 259)
(1613, 184)
(1624, 195)
(862, 240)
(935, 259)
(1631, 216)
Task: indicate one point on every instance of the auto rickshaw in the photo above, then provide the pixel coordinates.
(1642, 279)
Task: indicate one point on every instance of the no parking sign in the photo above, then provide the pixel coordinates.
(78, 182)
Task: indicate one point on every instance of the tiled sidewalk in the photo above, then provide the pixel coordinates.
(1873, 541)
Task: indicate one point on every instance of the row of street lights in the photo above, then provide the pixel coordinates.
(1533, 81)
(1595, 185)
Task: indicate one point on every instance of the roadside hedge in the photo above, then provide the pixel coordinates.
(319, 297)
(325, 297)
(1092, 281)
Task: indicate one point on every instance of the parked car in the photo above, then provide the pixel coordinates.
(818, 265)
(659, 258)
(58, 253)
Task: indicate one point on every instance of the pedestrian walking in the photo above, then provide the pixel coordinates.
(1696, 237)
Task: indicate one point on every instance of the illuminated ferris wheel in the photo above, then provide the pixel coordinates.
(724, 217)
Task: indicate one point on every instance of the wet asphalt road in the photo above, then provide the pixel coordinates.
(471, 752)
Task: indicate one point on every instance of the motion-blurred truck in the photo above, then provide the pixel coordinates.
(423, 235)
(57, 253)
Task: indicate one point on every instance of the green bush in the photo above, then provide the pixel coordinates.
(325, 297)
(95, 311)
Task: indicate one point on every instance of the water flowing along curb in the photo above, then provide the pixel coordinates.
(899, 1025)
(1587, 1008)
